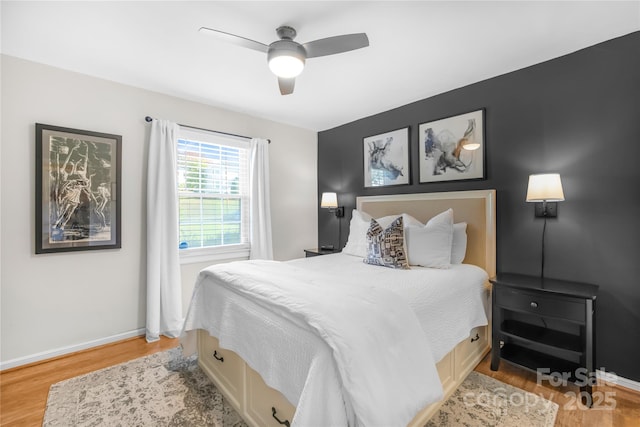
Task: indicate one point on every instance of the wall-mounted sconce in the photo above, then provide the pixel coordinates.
(330, 201)
(545, 190)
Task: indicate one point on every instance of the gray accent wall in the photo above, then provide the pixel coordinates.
(578, 115)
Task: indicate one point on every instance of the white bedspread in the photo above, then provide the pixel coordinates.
(336, 376)
(448, 302)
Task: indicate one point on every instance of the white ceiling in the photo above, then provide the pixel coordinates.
(417, 48)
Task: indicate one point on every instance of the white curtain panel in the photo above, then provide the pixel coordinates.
(164, 290)
(260, 210)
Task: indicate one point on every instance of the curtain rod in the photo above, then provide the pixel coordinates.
(149, 119)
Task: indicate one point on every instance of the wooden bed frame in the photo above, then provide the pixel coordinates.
(260, 405)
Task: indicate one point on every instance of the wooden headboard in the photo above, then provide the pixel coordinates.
(476, 207)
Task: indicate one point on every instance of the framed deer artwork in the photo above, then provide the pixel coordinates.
(386, 159)
(452, 148)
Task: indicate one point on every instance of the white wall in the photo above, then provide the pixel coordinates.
(57, 302)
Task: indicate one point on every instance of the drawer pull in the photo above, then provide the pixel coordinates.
(215, 356)
(273, 414)
(476, 338)
(534, 304)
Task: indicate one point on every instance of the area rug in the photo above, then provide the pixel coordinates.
(483, 401)
(165, 389)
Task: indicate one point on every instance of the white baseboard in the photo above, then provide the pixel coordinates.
(69, 349)
(613, 379)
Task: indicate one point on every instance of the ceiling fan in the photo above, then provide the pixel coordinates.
(286, 57)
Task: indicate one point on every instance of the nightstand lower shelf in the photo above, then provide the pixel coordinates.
(532, 360)
(537, 338)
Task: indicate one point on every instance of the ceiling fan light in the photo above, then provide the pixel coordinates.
(286, 58)
(286, 66)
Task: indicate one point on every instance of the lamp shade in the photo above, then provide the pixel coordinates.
(329, 200)
(546, 187)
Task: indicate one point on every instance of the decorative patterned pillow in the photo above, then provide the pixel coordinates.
(386, 247)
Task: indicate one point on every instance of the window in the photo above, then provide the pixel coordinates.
(213, 192)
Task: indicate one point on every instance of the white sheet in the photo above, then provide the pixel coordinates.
(310, 373)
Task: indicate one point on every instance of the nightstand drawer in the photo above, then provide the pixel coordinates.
(543, 305)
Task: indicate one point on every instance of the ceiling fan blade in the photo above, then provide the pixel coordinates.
(237, 40)
(337, 44)
(286, 85)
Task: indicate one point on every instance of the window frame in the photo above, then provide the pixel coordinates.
(220, 252)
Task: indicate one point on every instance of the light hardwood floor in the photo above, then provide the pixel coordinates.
(23, 391)
(620, 409)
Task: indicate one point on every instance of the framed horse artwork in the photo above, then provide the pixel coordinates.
(386, 159)
(452, 148)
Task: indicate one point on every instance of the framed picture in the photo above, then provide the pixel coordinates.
(386, 159)
(453, 148)
(77, 189)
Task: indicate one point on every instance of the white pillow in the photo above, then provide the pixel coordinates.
(407, 219)
(357, 242)
(430, 246)
(459, 245)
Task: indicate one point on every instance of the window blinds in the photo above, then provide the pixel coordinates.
(213, 189)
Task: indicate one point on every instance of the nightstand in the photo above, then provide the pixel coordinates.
(546, 326)
(319, 251)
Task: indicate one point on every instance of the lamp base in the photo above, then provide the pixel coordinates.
(546, 209)
(339, 211)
